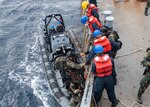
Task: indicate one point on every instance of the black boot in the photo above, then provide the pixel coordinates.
(146, 12)
(139, 100)
(115, 104)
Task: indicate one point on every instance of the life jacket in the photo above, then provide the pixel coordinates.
(92, 20)
(103, 41)
(103, 65)
(90, 8)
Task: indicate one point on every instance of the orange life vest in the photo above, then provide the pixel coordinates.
(92, 20)
(103, 65)
(90, 8)
(103, 41)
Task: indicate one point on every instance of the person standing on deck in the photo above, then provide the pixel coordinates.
(90, 9)
(92, 22)
(102, 69)
(108, 44)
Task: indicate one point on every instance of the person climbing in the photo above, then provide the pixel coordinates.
(72, 75)
(102, 69)
(145, 81)
(60, 27)
(92, 22)
(76, 72)
(146, 8)
(90, 9)
(66, 57)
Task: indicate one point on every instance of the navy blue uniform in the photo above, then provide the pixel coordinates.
(101, 83)
(95, 14)
(95, 26)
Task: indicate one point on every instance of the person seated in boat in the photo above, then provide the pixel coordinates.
(52, 29)
(60, 27)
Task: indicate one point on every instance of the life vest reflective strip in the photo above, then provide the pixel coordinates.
(90, 8)
(92, 20)
(103, 41)
(103, 65)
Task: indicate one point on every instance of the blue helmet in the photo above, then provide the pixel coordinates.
(58, 22)
(52, 27)
(84, 19)
(98, 49)
(96, 33)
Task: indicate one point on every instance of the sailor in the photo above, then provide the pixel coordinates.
(52, 29)
(60, 27)
(145, 81)
(92, 22)
(146, 8)
(108, 44)
(102, 69)
(91, 9)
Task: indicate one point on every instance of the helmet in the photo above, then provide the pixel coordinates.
(84, 19)
(58, 22)
(104, 29)
(98, 49)
(96, 33)
(71, 54)
(84, 5)
(52, 27)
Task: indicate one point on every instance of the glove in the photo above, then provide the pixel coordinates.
(82, 64)
(82, 54)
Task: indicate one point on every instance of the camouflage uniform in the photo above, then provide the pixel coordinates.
(75, 70)
(113, 36)
(69, 67)
(145, 81)
(72, 64)
(76, 73)
(59, 62)
(146, 8)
